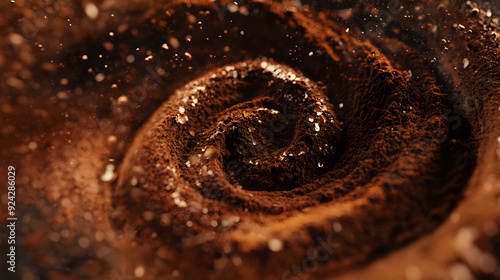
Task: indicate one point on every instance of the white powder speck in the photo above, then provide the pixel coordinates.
(139, 271)
(130, 58)
(182, 119)
(122, 100)
(108, 174)
(32, 145)
(100, 77)
(275, 245)
(466, 62)
(91, 10)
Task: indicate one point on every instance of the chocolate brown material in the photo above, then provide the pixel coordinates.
(259, 141)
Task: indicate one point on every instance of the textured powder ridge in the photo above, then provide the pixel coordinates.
(263, 140)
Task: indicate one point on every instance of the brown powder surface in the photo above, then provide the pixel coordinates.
(264, 140)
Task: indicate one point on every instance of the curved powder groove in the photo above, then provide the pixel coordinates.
(262, 140)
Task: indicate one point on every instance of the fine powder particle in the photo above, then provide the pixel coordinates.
(260, 140)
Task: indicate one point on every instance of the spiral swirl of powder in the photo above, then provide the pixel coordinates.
(265, 156)
(264, 140)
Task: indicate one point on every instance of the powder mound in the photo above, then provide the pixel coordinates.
(325, 150)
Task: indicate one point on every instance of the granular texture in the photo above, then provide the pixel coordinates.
(257, 140)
